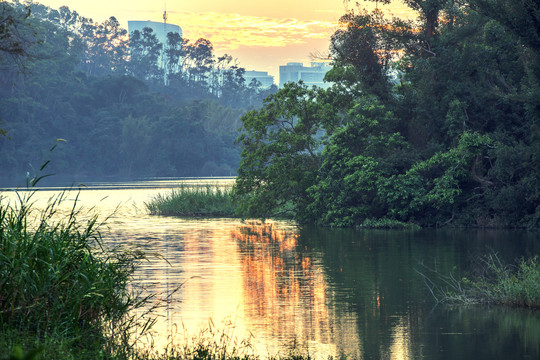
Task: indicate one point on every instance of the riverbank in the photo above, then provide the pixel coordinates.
(231, 248)
(65, 295)
(219, 201)
(62, 294)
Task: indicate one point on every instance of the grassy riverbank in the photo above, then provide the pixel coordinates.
(207, 201)
(63, 295)
(216, 201)
(497, 283)
(60, 292)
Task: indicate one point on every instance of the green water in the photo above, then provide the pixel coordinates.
(375, 275)
(328, 292)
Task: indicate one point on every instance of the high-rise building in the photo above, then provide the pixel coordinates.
(294, 72)
(261, 76)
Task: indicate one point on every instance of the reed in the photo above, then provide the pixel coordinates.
(207, 201)
(385, 223)
(497, 283)
(60, 290)
(64, 296)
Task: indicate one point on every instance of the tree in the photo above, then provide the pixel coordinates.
(521, 17)
(107, 48)
(200, 56)
(233, 86)
(14, 38)
(370, 43)
(12, 43)
(281, 149)
(145, 50)
(441, 125)
(359, 153)
(429, 12)
(174, 51)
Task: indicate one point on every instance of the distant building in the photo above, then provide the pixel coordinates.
(294, 72)
(261, 76)
(159, 29)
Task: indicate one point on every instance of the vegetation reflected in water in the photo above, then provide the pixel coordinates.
(336, 292)
(287, 292)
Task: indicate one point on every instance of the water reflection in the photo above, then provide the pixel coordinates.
(287, 295)
(328, 291)
(255, 275)
(483, 333)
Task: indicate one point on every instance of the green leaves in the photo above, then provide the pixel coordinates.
(368, 42)
(282, 144)
(358, 153)
(145, 50)
(439, 122)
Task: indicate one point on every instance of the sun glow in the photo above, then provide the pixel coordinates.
(261, 35)
(229, 31)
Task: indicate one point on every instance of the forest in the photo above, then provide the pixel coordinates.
(433, 121)
(117, 112)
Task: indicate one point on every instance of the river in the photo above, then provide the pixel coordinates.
(327, 292)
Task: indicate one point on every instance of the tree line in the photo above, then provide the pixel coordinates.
(121, 112)
(433, 121)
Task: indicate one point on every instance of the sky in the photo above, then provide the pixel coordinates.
(261, 34)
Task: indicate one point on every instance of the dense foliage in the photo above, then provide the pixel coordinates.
(121, 114)
(434, 121)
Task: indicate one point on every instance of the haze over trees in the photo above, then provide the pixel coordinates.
(434, 121)
(64, 76)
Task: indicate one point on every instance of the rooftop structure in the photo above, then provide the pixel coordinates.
(261, 76)
(294, 72)
(160, 29)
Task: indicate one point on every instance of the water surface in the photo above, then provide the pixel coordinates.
(329, 292)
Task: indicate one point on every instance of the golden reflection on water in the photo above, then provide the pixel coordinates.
(284, 292)
(252, 278)
(400, 348)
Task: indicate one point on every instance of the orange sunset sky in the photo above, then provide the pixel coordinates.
(261, 34)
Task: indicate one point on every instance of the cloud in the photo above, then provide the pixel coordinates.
(230, 31)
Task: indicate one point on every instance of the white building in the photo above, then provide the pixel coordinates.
(159, 29)
(314, 75)
(261, 76)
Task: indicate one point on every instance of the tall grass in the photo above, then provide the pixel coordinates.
(497, 283)
(64, 296)
(59, 288)
(207, 201)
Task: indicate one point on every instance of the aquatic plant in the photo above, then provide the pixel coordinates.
(386, 223)
(189, 201)
(497, 283)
